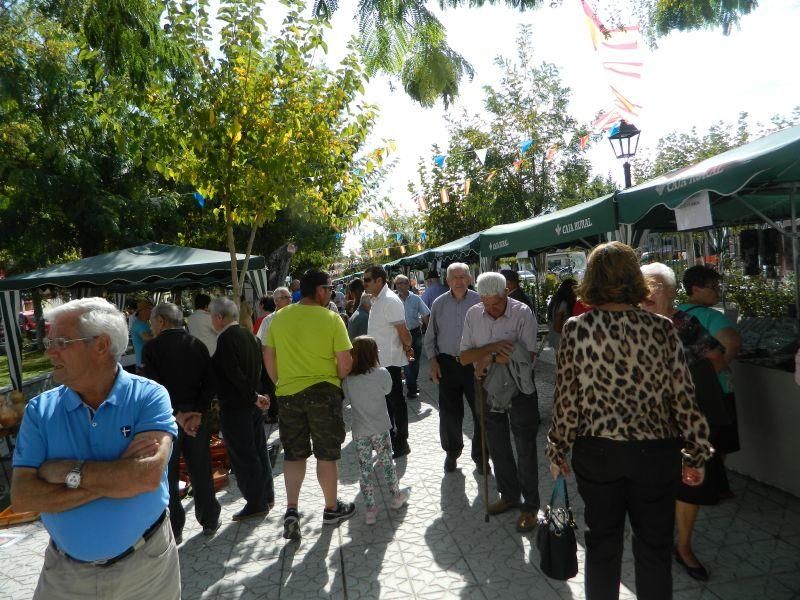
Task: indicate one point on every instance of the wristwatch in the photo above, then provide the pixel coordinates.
(73, 478)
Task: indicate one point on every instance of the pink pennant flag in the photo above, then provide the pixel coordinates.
(492, 173)
(551, 152)
(444, 195)
(584, 141)
(517, 164)
(422, 203)
(384, 214)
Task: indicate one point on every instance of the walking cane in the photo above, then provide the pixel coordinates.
(485, 488)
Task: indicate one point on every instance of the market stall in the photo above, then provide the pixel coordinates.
(758, 182)
(150, 265)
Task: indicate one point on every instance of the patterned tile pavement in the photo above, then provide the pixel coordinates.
(439, 546)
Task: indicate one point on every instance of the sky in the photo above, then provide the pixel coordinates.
(690, 79)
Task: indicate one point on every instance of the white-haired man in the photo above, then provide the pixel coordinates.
(237, 367)
(496, 332)
(91, 456)
(456, 379)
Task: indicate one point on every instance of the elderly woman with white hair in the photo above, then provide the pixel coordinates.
(705, 358)
(500, 340)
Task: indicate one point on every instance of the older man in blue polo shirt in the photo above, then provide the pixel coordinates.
(91, 456)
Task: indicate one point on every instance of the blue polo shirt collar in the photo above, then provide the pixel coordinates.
(73, 399)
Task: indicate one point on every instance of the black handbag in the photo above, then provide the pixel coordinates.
(709, 394)
(555, 537)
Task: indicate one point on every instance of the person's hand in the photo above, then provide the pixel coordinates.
(142, 447)
(693, 477)
(436, 371)
(55, 471)
(482, 367)
(503, 349)
(262, 401)
(556, 470)
(409, 353)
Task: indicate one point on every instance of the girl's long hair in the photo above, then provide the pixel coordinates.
(565, 293)
(365, 355)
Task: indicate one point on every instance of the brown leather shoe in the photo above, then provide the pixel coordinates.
(526, 522)
(501, 506)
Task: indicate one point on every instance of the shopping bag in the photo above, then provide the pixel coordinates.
(555, 537)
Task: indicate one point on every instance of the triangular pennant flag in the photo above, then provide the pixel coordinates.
(439, 160)
(386, 252)
(200, 200)
(422, 203)
(481, 155)
(422, 236)
(384, 214)
(444, 195)
(517, 164)
(467, 183)
(370, 253)
(584, 141)
(419, 246)
(525, 146)
(492, 173)
(551, 152)
(402, 249)
(399, 237)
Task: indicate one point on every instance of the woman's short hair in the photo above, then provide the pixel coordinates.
(267, 303)
(356, 285)
(699, 276)
(224, 307)
(613, 275)
(491, 284)
(168, 311)
(97, 317)
(365, 355)
(662, 271)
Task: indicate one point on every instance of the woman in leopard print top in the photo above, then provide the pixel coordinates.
(624, 403)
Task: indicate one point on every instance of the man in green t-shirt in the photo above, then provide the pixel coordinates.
(307, 353)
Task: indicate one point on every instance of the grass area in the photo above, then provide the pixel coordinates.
(33, 363)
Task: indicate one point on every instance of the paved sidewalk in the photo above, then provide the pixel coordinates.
(439, 546)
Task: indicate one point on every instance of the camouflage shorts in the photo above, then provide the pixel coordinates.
(313, 415)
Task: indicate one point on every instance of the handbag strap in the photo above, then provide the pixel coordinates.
(560, 489)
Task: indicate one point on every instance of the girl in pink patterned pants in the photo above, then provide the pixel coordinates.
(365, 389)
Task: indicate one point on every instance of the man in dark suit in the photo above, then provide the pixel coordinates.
(237, 368)
(180, 362)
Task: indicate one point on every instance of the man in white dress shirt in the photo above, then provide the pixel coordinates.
(387, 324)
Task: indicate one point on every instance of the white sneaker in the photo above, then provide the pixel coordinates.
(371, 515)
(400, 500)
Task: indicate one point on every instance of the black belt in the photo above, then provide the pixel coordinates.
(449, 357)
(415, 329)
(110, 561)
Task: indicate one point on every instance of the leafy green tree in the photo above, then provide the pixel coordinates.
(530, 104)
(263, 129)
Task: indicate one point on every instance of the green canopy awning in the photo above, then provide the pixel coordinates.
(760, 175)
(142, 264)
(459, 249)
(559, 229)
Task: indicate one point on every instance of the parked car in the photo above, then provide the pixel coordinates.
(526, 276)
(27, 324)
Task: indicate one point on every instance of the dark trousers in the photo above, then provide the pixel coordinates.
(246, 442)
(521, 476)
(398, 411)
(411, 370)
(197, 456)
(456, 384)
(639, 479)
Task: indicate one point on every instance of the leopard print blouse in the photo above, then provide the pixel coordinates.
(623, 375)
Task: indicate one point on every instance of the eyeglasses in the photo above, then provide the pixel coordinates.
(60, 343)
(367, 280)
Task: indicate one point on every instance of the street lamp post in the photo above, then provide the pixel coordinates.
(624, 140)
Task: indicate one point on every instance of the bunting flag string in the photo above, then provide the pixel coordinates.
(481, 155)
(525, 146)
(439, 160)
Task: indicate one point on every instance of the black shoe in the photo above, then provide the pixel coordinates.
(401, 450)
(291, 524)
(248, 512)
(450, 463)
(212, 529)
(342, 512)
(699, 572)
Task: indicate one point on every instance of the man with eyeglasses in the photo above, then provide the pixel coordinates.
(180, 362)
(417, 315)
(307, 354)
(387, 324)
(91, 456)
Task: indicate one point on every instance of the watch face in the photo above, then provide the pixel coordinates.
(73, 480)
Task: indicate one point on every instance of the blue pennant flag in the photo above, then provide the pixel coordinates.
(422, 236)
(439, 160)
(525, 146)
(200, 200)
(338, 236)
(398, 237)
